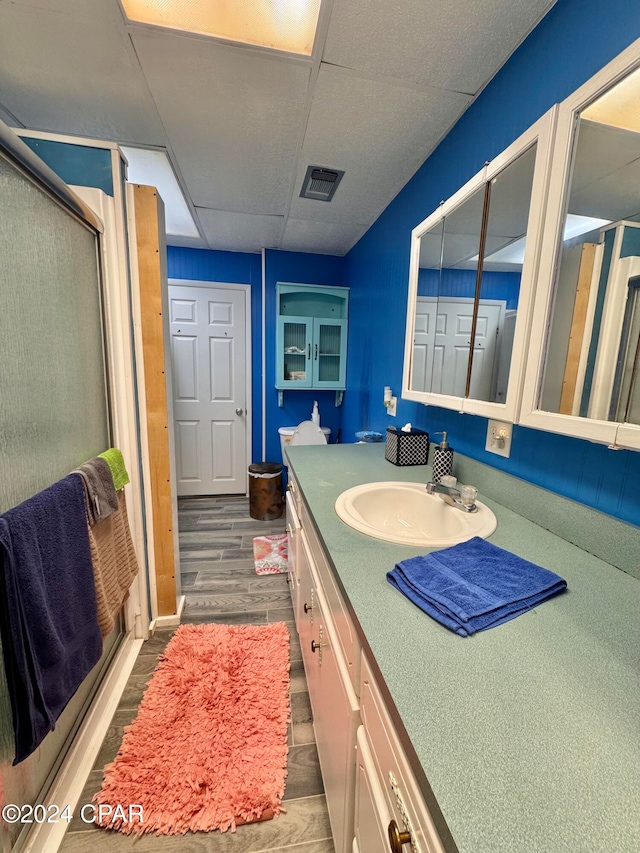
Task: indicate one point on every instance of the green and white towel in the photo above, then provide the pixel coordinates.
(114, 460)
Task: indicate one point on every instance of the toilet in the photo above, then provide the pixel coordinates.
(305, 433)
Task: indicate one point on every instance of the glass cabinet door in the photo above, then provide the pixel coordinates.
(472, 275)
(329, 346)
(311, 337)
(294, 354)
(583, 365)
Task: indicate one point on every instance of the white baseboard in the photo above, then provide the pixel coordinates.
(168, 621)
(75, 769)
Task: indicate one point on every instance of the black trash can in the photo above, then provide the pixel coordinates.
(265, 491)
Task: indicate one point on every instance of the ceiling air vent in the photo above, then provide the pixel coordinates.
(320, 184)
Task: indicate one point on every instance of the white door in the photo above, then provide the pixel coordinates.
(208, 353)
(423, 342)
(451, 350)
(484, 372)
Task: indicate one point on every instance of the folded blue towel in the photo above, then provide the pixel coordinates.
(474, 586)
(48, 615)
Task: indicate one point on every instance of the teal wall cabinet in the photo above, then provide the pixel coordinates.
(311, 339)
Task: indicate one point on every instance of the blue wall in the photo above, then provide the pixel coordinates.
(571, 44)
(229, 268)
(79, 165)
(243, 268)
(301, 268)
(462, 284)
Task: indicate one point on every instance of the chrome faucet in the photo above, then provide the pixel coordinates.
(453, 496)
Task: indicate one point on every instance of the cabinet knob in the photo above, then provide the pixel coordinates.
(397, 838)
(307, 608)
(315, 646)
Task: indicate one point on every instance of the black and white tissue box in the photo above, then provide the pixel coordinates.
(406, 448)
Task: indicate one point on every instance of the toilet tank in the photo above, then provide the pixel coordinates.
(285, 437)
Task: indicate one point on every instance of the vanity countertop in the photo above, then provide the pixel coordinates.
(528, 734)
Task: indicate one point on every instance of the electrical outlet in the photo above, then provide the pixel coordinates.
(391, 408)
(499, 438)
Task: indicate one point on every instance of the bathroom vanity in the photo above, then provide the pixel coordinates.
(525, 737)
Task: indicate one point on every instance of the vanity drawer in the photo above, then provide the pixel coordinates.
(342, 619)
(404, 798)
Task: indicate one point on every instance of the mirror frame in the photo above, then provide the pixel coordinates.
(542, 133)
(606, 432)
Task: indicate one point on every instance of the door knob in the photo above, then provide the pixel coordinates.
(239, 412)
(397, 838)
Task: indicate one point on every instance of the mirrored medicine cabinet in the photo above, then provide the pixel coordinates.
(472, 272)
(583, 369)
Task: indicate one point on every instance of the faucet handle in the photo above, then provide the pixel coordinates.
(468, 495)
(449, 481)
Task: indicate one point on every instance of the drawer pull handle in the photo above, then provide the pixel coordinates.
(308, 608)
(397, 838)
(289, 530)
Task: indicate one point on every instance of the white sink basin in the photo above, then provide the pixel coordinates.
(406, 514)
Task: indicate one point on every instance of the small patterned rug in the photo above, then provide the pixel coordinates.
(208, 749)
(270, 555)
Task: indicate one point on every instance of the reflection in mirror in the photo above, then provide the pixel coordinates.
(505, 242)
(593, 349)
(456, 296)
(447, 317)
(426, 308)
(445, 298)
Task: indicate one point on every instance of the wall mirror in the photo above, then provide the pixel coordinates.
(470, 284)
(584, 378)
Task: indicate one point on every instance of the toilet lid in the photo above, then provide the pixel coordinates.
(308, 433)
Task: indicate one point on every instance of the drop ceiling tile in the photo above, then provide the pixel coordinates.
(602, 150)
(68, 67)
(354, 125)
(240, 232)
(454, 45)
(234, 117)
(612, 197)
(187, 242)
(324, 238)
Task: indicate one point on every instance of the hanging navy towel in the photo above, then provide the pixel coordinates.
(474, 585)
(50, 634)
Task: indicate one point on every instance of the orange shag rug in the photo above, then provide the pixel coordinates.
(208, 749)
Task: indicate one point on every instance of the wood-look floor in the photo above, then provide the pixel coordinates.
(220, 585)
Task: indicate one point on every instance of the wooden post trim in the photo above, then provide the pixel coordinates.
(149, 219)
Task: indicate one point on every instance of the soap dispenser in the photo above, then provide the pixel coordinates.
(442, 459)
(315, 414)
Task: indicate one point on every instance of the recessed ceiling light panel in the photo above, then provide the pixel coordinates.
(288, 25)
